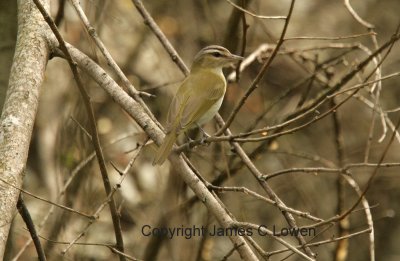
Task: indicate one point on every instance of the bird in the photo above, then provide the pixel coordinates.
(198, 98)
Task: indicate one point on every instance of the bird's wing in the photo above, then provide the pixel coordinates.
(193, 99)
(207, 89)
(176, 107)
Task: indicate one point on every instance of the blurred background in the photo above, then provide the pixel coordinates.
(61, 166)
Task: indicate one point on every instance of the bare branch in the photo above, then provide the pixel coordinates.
(254, 15)
(20, 107)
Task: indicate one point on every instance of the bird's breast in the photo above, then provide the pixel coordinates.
(208, 115)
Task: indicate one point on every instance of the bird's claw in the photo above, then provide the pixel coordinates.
(190, 140)
(203, 140)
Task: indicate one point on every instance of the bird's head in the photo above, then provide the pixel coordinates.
(214, 56)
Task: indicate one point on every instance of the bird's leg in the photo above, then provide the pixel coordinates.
(187, 137)
(205, 134)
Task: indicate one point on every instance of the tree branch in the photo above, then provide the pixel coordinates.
(20, 107)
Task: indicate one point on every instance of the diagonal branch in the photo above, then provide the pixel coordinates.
(93, 128)
(26, 216)
(149, 21)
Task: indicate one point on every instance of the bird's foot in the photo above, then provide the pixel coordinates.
(188, 138)
(205, 135)
(203, 140)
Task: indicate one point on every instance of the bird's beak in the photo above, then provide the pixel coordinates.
(235, 57)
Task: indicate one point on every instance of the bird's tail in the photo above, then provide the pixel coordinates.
(165, 148)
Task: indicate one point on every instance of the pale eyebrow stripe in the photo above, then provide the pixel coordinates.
(215, 47)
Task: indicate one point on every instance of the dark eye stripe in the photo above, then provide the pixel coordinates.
(217, 54)
(212, 50)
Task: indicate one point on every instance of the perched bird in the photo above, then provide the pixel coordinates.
(199, 97)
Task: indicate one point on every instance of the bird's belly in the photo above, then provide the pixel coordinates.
(211, 112)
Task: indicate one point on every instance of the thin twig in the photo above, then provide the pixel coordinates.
(110, 61)
(348, 76)
(330, 38)
(356, 16)
(48, 201)
(388, 121)
(71, 176)
(268, 232)
(24, 212)
(368, 185)
(269, 201)
(60, 12)
(258, 176)
(106, 201)
(230, 252)
(371, 178)
(163, 39)
(245, 26)
(344, 170)
(109, 246)
(327, 241)
(249, 59)
(342, 248)
(368, 216)
(303, 170)
(375, 112)
(360, 85)
(254, 15)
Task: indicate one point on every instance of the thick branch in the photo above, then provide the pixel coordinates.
(20, 107)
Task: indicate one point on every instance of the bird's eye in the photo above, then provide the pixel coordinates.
(216, 54)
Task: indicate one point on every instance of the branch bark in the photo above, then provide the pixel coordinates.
(8, 36)
(20, 107)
